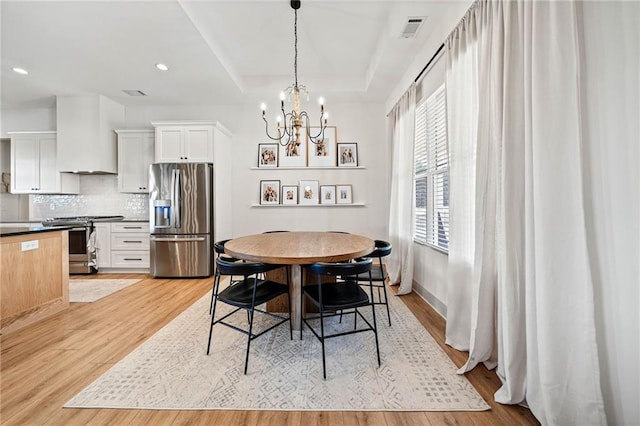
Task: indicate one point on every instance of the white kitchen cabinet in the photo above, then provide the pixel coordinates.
(103, 244)
(130, 245)
(33, 165)
(135, 154)
(186, 141)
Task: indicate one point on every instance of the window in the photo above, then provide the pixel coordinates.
(431, 172)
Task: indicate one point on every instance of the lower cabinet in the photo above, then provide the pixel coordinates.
(127, 243)
(103, 245)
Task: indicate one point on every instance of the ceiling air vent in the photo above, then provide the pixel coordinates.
(135, 92)
(412, 27)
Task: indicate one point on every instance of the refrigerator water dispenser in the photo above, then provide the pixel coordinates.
(162, 214)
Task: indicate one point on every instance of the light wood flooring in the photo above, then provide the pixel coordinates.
(46, 364)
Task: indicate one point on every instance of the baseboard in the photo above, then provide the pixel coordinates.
(437, 304)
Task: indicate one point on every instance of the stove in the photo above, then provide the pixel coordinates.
(82, 250)
(79, 220)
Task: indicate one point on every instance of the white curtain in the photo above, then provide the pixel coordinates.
(611, 153)
(402, 124)
(520, 289)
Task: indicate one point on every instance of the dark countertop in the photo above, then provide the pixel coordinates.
(23, 230)
(22, 221)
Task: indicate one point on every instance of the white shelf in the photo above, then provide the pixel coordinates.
(309, 205)
(307, 168)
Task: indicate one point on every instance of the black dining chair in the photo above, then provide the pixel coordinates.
(334, 298)
(218, 248)
(247, 294)
(378, 274)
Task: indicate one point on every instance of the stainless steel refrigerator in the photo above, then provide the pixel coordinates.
(181, 219)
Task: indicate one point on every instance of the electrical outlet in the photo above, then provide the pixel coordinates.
(30, 245)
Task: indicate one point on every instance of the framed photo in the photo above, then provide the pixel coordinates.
(293, 154)
(268, 155)
(269, 192)
(309, 192)
(323, 153)
(327, 194)
(289, 194)
(344, 194)
(348, 154)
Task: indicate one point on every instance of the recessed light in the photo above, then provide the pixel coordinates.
(162, 67)
(20, 70)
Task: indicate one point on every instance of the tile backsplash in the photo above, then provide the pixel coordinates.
(98, 196)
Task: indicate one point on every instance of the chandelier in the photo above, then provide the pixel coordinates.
(288, 129)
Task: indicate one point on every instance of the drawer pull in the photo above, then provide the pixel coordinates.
(129, 241)
(132, 227)
(131, 258)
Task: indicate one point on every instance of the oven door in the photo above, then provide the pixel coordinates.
(80, 259)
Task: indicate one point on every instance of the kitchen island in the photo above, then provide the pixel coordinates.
(34, 276)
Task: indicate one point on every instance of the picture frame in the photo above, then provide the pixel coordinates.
(292, 154)
(347, 153)
(327, 194)
(268, 155)
(289, 195)
(322, 154)
(309, 192)
(269, 192)
(344, 194)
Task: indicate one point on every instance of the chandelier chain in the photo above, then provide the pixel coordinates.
(295, 36)
(288, 131)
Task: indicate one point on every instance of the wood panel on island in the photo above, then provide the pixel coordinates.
(29, 294)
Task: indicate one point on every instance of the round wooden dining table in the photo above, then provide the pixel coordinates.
(296, 249)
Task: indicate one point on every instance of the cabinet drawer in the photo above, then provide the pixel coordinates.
(130, 241)
(129, 259)
(130, 227)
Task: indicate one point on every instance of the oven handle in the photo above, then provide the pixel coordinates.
(82, 228)
(177, 240)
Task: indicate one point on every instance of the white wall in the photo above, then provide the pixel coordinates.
(24, 120)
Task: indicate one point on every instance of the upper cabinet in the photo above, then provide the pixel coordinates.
(135, 154)
(186, 141)
(33, 165)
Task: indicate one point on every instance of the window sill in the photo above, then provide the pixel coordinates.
(436, 248)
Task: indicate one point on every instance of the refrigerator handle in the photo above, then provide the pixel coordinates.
(177, 240)
(175, 198)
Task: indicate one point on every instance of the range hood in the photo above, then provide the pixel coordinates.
(86, 141)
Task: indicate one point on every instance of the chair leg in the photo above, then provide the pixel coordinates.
(386, 302)
(375, 329)
(289, 303)
(355, 318)
(301, 304)
(246, 359)
(324, 364)
(214, 299)
(212, 291)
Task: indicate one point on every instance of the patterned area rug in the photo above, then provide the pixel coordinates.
(92, 290)
(172, 371)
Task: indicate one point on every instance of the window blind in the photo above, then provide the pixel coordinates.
(431, 172)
